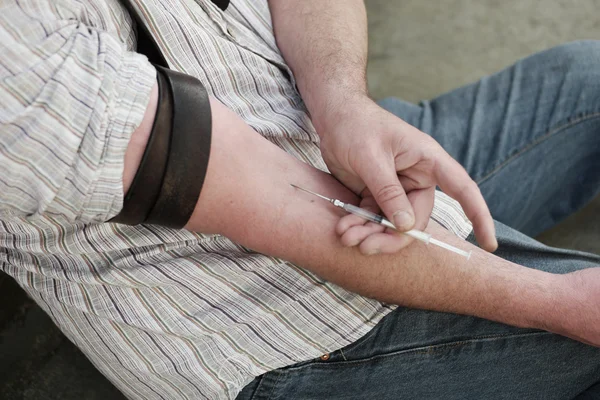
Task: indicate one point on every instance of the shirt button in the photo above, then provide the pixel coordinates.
(325, 357)
(230, 32)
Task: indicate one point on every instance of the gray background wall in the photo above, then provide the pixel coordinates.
(418, 49)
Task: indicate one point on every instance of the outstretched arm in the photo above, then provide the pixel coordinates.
(247, 197)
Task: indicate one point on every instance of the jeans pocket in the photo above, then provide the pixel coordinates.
(346, 351)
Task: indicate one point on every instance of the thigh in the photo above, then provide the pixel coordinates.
(415, 354)
(520, 365)
(529, 135)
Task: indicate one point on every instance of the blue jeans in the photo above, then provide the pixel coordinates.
(530, 137)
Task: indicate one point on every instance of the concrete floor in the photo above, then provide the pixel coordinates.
(418, 49)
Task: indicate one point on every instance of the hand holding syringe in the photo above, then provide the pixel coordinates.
(378, 219)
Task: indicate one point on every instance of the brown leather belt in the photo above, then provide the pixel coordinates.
(167, 185)
(188, 153)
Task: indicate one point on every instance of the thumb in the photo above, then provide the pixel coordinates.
(383, 183)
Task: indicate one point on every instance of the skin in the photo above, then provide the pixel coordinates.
(329, 62)
(247, 197)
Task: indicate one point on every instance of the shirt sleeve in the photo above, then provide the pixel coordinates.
(448, 213)
(71, 95)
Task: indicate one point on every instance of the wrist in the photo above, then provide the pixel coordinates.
(337, 107)
(570, 314)
(513, 294)
(545, 311)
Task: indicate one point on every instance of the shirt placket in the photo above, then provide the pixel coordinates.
(236, 34)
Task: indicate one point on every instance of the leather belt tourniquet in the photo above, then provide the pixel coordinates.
(167, 185)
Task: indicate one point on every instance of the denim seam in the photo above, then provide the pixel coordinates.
(539, 140)
(270, 396)
(423, 349)
(258, 395)
(257, 389)
(343, 355)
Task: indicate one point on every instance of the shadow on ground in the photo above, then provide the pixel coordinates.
(36, 361)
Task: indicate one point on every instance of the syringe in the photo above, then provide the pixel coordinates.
(378, 219)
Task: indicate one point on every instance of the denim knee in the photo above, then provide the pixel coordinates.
(569, 74)
(579, 59)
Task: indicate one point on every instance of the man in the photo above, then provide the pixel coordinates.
(266, 294)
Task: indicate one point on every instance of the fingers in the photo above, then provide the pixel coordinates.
(454, 181)
(384, 243)
(422, 201)
(383, 183)
(358, 233)
(392, 241)
(350, 220)
(354, 229)
(371, 237)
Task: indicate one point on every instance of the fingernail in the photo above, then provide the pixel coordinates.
(403, 220)
(373, 252)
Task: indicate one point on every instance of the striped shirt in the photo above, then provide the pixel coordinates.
(163, 313)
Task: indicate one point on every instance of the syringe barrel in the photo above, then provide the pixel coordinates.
(419, 235)
(378, 219)
(361, 212)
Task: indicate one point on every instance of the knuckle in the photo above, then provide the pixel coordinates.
(389, 193)
(432, 147)
(350, 239)
(347, 222)
(436, 155)
(341, 227)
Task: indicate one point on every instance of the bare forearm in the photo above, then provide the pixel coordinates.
(419, 276)
(325, 44)
(248, 198)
